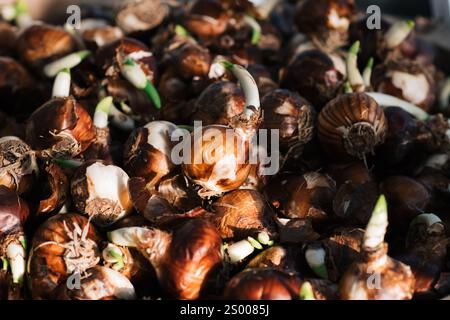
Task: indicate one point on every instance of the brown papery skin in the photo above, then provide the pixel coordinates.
(263, 284)
(197, 22)
(191, 259)
(291, 114)
(59, 190)
(59, 120)
(242, 213)
(40, 44)
(201, 171)
(143, 160)
(359, 282)
(150, 13)
(47, 267)
(219, 103)
(351, 125)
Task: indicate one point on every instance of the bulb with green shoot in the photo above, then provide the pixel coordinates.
(133, 72)
(377, 276)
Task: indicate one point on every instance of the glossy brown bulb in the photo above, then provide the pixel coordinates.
(242, 213)
(351, 125)
(354, 172)
(8, 39)
(219, 103)
(303, 196)
(41, 44)
(407, 80)
(314, 76)
(53, 189)
(53, 257)
(60, 128)
(263, 284)
(407, 199)
(291, 114)
(326, 22)
(206, 18)
(96, 36)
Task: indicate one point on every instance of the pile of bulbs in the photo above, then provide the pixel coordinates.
(93, 205)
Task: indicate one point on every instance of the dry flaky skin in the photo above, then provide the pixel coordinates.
(206, 18)
(291, 114)
(377, 277)
(40, 44)
(242, 213)
(313, 19)
(143, 160)
(314, 76)
(64, 244)
(307, 196)
(263, 284)
(148, 13)
(186, 260)
(352, 125)
(60, 128)
(100, 147)
(18, 166)
(219, 103)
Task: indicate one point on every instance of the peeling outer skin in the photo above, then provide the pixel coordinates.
(293, 115)
(157, 209)
(243, 213)
(85, 82)
(263, 284)
(59, 190)
(219, 103)
(100, 147)
(144, 160)
(319, 19)
(112, 55)
(143, 15)
(101, 284)
(104, 211)
(47, 265)
(13, 213)
(342, 248)
(179, 193)
(60, 128)
(123, 91)
(18, 166)
(396, 279)
(382, 81)
(41, 44)
(210, 177)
